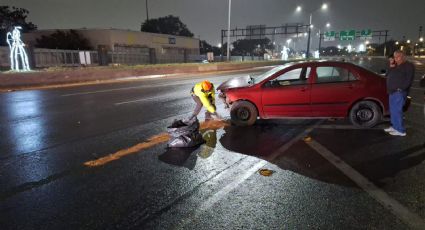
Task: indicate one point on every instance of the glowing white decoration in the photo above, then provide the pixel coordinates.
(362, 48)
(16, 46)
(284, 53)
(349, 48)
(316, 54)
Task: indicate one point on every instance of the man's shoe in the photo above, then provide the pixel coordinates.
(397, 133)
(389, 129)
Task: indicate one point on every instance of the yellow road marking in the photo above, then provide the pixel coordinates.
(157, 139)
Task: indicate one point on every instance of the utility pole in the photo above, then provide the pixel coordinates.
(228, 32)
(419, 41)
(147, 11)
(307, 55)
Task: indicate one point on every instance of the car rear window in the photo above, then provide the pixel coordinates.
(327, 74)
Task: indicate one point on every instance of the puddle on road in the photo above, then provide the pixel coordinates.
(157, 139)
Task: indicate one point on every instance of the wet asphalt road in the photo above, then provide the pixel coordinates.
(344, 178)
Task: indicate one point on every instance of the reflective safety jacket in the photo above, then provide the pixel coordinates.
(207, 97)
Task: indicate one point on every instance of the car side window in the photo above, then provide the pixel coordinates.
(293, 77)
(328, 74)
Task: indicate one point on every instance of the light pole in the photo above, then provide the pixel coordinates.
(328, 25)
(147, 11)
(228, 32)
(299, 9)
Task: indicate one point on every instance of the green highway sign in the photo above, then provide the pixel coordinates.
(329, 36)
(347, 35)
(366, 34)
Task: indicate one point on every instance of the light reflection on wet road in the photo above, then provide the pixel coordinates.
(48, 135)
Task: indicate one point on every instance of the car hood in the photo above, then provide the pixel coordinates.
(236, 82)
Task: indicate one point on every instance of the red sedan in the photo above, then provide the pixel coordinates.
(317, 89)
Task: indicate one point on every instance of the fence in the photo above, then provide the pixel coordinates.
(42, 58)
(51, 57)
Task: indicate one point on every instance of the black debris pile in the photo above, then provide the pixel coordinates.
(184, 134)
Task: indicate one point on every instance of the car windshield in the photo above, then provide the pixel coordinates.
(263, 76)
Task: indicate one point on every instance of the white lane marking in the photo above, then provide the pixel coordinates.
(216, 197)
(126, 88)
(138, 100)
(286, 146)
(147, 77)
(230, 187)
(415, 88)
(348, 127)
(264, 67)
(411, 219)
(143, 99)
(101, 91)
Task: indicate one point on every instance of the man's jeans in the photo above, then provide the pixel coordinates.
(397, 100)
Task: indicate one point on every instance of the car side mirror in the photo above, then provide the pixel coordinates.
(383, 71)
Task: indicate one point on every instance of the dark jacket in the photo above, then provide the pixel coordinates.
(400, 78)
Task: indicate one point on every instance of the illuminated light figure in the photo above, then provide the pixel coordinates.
(284, 53)
(16, 46)
(316, 54)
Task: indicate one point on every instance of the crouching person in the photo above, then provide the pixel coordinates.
(203, 93)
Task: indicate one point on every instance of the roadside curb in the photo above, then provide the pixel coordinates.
(93, 75)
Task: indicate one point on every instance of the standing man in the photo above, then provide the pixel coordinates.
(399, 79)
(422, 84)
(203, 94)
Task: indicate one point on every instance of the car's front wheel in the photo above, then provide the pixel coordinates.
(365, 114)
(243, 113)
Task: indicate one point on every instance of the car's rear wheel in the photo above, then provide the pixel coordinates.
(243, 113)
(365, 114)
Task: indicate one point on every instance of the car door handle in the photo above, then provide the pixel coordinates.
(303, 89)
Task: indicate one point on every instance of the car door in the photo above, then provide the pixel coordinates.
(332, 89)
(287, 94)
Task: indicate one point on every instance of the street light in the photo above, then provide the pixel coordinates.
(328, 25)
(421, 39)
(221, 51)
(323, 7)
(147, 11)
(228, 32)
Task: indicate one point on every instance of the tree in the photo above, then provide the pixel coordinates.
(10, 17)
(252, 46)
(69, 40)
(166, 25)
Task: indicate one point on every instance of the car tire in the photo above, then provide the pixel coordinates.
(365, 114)
(243, 113)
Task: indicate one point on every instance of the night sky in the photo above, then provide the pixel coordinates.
(205, 18)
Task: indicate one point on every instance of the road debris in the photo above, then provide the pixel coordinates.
(265, 172)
